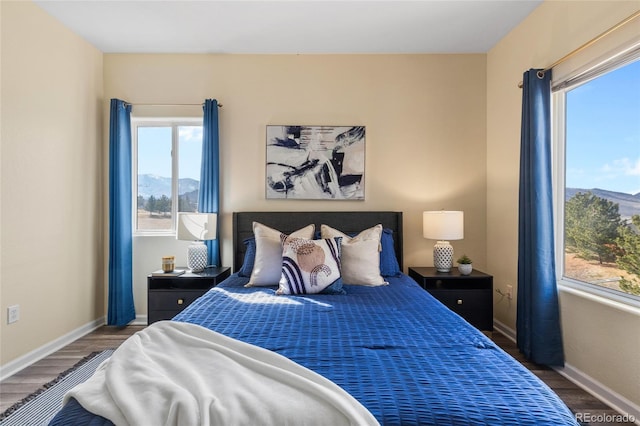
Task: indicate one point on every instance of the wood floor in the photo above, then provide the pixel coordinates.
(582, 403)
(27, 381)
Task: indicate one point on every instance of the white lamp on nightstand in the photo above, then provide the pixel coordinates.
(197, 227)
(443, 225)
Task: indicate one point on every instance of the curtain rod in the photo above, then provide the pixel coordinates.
(590, 42)
(167, 105)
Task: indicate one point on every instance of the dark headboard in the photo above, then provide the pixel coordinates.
(287, 222)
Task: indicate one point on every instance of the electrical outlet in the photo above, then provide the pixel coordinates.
(13, 314)
(509, 292)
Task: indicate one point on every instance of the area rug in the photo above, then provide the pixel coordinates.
(41, 406)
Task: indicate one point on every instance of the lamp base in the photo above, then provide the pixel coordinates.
(197, 256)
(443, 256)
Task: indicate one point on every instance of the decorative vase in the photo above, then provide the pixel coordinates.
(197, 256)
(443, 256)
(465, 268)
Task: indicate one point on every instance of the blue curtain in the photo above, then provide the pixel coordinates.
(538, 319)
(121, 310)
(209, 197)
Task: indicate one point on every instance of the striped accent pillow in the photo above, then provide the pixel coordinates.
(310, 266)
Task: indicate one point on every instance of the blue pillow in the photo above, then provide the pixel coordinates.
(249, 257)
(389, 266)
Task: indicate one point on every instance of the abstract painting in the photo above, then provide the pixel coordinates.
(315, 162)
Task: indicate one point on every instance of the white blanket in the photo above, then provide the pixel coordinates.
(174, 373)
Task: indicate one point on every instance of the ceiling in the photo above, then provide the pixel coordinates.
(291, 27)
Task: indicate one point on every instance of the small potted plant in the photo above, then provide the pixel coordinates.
(465, 266)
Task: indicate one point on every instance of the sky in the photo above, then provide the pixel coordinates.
(154, 151)
(603, 132)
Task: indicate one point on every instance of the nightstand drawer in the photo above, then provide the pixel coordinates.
(172, 300)
(469, 304)
(466, 299)
(470, 283)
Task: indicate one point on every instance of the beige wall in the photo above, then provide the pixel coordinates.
(51, 207)
(601, 341)
(424, 114)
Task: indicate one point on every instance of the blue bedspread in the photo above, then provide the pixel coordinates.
(400, 352)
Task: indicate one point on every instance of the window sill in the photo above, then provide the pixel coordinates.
(155, 234)
(621, 302)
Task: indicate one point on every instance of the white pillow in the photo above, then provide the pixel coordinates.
(360, 258)
(267, 267)
(309, 266)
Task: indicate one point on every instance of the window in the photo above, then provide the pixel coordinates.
(167, 158)
(597, 120)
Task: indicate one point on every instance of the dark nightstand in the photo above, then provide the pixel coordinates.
(168, 296)
(470, 296)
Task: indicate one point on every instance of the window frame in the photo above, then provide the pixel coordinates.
(605, 64)
(174, 124)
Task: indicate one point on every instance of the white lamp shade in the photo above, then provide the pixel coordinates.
(197, 226)
(443, 225)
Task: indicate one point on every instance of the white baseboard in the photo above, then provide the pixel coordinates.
(12, 367)
(140, 320)
(602, 392)
(586, 382)
(508, 332)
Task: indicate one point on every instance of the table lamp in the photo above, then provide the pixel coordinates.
(197, 227)
(443, 226)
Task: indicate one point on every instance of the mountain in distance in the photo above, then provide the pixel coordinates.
(159, 185)
(628, 204)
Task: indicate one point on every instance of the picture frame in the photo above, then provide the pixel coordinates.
(315, 162)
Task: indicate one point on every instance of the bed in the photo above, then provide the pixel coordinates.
(398, 351)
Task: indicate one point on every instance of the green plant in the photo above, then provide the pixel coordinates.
(591, 227)
(629, 254)
(464, 260)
